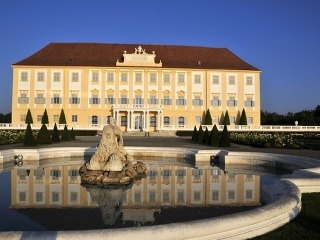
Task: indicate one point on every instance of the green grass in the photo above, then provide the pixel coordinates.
(305, 226)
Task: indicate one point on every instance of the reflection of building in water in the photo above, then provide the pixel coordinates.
(163, 186)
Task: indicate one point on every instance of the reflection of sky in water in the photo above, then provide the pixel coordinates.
(169, 193)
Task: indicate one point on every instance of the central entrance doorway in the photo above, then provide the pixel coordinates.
(138, 123)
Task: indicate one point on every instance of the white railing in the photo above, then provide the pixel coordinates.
(231, 128)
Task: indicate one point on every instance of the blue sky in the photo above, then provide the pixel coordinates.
(282, 38)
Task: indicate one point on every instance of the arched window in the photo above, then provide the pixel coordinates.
(94, 120)
(181, 121)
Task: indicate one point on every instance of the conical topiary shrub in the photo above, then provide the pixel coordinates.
(55, 134)
(62, 117)
(226, 120)
(28, 137)
(205, 136)
(65, 134)
(194, 134)
(208, 118)
(43, 136)
(243, 118)
(72, 135)
(215, 137)
(225, 138)
(29, 117)
(45, 119)
(200, 134)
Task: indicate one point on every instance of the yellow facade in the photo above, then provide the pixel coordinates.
(141, 94)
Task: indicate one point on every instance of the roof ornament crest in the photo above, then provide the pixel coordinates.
(139, 50)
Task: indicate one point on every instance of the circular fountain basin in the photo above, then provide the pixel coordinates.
(284, 201)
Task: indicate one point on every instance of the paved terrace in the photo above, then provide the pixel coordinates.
(168, 141)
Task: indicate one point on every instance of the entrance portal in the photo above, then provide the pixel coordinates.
(138, 123)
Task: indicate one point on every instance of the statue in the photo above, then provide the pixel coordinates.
(111, 164)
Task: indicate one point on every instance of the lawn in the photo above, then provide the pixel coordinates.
(305, 226)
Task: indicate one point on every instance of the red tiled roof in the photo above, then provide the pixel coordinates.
(106, 55)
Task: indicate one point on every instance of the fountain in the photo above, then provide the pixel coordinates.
(111, 164)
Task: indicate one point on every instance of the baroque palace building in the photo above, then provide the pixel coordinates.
(147, 87)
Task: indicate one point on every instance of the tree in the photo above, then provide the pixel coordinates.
(29, 117)
(45, 119)
(200, 134)
(225, 138)
(205, 136)
(28, 137)
(43, 136)
(317, 115)
(72, 135)
(215, 137)
(65, 134)
(208, 118)
(62, 118)
(243, 118)
(194, 134)
(226, 120)
(55, 134)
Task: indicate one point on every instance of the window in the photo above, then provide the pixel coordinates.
(23, 99)
(181, 121)
(123, 120)
(166, 77)
(215, 195)
(196, 196)
(40, 99)
(39, 175)
(232, 102)
(197, 101)
(56, 77)
(231, 195)
(250, 120)
(56, 99)
(215, 120)
(95, 99)
(24, 76)
(23, 118)
(153, 100)
(197, 78)
(75, 77)
(165, 197)
(180, 196)
(73, 197)
(74, 99)
(166, 173)
(198, 119)
(138, 100)
(181, 78)
(39, 196)
(110, 77)
(95, 77)
(249, 102)
(152, 196)
(196, 173)
(40, 76)
(216, 101)
(123, 99)
(153, 77)
(215, 79)
(138, 77)
(39, 118)
(94, 120)
(110, 99)
(249, 194)
(56, 118)
(249, 80)
(166, 121)
(232, 80)
(181, 101)
(22, 196)
(55, 197)
(180, 173)
(137, 197)
(167, 100)
(124, 77)
(55, 174)
(153, 121)
(74, 118)
(232, 120)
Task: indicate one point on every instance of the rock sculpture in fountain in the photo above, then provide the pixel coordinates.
(111, 164)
